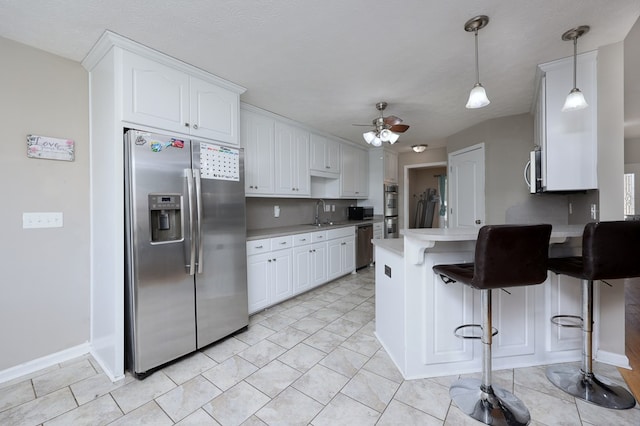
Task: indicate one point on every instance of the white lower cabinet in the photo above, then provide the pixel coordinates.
(269, 272)
(341, 251)
(281, 267)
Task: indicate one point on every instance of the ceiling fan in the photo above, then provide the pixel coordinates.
(386, 129)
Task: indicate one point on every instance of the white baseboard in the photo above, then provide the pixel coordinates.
(96, 356)
(44, 362)
(611, 358)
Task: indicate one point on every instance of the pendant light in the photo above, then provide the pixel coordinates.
(478, 96)
(575, 99)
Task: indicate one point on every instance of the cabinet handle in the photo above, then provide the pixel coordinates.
(343, 244)
(310, 251)
(327, 167)
(195, 126)
(258, 247)
(283, 243)
(275, 260)
(269, 260)
(186, 124)
(303, 239)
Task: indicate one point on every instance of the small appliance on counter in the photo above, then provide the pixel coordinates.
(360, 213)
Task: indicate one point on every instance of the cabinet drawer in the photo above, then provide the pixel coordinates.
(377, 226)
(319, 236)
(279, 243)
(258, 246)
(302, 239)
(341, 232)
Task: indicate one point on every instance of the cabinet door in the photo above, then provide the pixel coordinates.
(334, 259)
(513, 314)
(291, 161)
(258, 272)
(324, 156)
(362, 185)
(349, 176)
(282, 270)
(213, 112)
(154, 95)
(348, 254)
(302, 264)
(318, 264)
(333, 156)
(258, 143)
(390, 167)
(563, 295)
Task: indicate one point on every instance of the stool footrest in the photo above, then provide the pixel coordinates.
(459, 331)
(558, 320)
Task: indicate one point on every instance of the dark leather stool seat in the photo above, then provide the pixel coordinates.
(505, 256)
(610, 250)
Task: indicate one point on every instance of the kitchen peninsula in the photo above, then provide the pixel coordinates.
(416, 312)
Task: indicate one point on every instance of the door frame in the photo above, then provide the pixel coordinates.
(405, 188)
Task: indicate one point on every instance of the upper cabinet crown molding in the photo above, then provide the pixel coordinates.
(110, 39)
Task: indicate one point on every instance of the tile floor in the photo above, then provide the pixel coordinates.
(310, 360)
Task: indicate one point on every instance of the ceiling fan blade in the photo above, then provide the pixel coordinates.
(399, 128)
(392, 120)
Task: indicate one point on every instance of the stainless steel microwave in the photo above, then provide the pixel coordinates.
(360, 213)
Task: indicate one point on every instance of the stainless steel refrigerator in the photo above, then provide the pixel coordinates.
(186, 275)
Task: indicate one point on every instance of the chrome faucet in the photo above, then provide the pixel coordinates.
(317, 219)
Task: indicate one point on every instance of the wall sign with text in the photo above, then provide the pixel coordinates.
(49, 148)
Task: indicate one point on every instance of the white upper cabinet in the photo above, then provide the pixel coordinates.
(390, 167)
(258, 141)
(292, 160)
(166, 98)
(324, 157)
(568, 140)
(355, 172)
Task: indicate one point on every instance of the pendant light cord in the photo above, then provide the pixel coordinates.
(477, 66)
(575, 61)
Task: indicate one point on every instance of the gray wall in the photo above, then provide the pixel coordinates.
(44, 302)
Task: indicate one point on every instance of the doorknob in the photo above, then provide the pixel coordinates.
(478, 221)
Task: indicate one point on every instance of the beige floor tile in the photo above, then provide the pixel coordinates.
(288, 337)
(178, 403)
(189, 367)
(254, 421)
(344, 361)
(345, 411)
(237, 404)
(371, 390)
(359, 316)
(341, 306)
(298, 312)
(343, 327)
(291, 407)
(398, 413)
(302, 357)
(254, 334)
(230, 372)
(39, 410)
(535, 378)
(96, 386)
(16, 394)
(320, 383)
(277, 322)
(150, 414)
(309, 325)
(326, 314)
(62, 377)
(262, 353)
(224, 350)
(273, 378)
(596, 415)
(547, 409)
(363, 343)
(381, 364)
(425, 395)
(198, 418)
(100, 411)
(139, 392)
(324, 340)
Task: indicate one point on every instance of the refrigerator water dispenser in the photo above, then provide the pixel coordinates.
(166, 218)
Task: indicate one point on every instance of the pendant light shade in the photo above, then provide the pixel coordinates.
(478, 96)
(575, 99)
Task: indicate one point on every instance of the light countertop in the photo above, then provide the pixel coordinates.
(257, 234)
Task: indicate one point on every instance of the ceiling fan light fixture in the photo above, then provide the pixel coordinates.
(376, 142)
(478, 96)
(369, 136)
(419, 148)
(387, 135)
(575, 99)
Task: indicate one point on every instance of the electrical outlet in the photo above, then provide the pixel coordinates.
(42, 220)
(333, 207)
(327, 208)
(276, 211)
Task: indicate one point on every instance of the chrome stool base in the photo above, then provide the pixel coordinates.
(589, 388)
(495, 406)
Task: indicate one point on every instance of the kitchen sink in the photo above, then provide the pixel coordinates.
(322, 225)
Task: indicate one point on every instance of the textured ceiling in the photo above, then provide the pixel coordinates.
(327, 62)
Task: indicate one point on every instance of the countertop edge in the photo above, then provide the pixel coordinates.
(258, 234)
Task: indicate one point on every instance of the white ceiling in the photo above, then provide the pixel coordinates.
(327, 62)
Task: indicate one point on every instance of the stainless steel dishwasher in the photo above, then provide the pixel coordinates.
(364, 248)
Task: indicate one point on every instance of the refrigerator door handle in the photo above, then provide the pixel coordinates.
(188, 174)
(196, 178)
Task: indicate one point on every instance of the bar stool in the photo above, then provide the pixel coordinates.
(609, 251)
(505, 256)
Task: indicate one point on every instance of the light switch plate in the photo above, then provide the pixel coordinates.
(42, 220)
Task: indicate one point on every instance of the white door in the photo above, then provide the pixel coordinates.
(466, 187)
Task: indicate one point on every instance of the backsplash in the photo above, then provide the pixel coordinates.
(292, 211)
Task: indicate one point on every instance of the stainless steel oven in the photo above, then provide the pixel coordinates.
(391, 200)
(391, 227)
